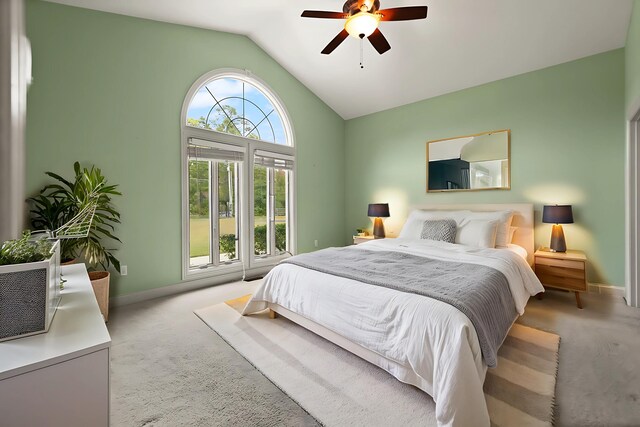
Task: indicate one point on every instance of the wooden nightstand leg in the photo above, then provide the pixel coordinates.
(578, 302)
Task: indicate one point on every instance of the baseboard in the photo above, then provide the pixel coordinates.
(612, 291)
(191, 285)
(184, 286)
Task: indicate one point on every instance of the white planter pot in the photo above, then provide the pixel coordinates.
(29, 296)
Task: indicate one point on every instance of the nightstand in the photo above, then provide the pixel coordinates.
(562, 270)
(362, 239)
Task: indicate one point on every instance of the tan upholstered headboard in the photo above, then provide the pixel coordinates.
(523, 219)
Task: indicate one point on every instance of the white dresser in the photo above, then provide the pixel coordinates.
(60, 378)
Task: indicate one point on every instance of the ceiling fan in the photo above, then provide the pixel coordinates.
(362, 19)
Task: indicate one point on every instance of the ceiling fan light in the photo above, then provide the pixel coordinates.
(362, 23)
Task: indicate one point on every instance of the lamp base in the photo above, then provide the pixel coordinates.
(378, 229)
(558, 244)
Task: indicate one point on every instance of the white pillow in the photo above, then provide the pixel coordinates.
(412, 228)
(512, 232)
(504, 219)
(478, 233)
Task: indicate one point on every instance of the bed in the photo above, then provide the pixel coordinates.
(420, 340)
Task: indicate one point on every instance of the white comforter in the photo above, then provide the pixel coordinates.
(428, 343)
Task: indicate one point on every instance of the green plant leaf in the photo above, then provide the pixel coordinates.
(60, 201)
(59, 178)
(25, 250)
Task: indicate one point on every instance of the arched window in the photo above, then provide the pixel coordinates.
(237, 107)
(238, 162)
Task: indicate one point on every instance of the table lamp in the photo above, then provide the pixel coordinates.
(556, 215)
(378, 211)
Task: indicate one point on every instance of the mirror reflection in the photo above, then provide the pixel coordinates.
(474, 162)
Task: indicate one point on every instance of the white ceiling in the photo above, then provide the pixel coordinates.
(462, 43)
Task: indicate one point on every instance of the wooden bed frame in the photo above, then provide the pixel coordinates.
(523, 219)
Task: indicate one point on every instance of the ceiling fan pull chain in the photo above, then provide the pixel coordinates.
(361, 52)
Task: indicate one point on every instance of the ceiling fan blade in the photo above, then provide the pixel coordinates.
(323, 14)
(333, 44)
(379, 41)
(403, 13)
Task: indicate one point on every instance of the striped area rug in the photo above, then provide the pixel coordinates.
(522, 387)
(519, 392)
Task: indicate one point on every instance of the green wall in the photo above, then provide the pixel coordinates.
(632, 51)
(567, 145)
(108, 90)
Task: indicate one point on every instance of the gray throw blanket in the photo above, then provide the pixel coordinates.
(481, 293)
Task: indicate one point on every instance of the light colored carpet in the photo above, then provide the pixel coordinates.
(169, 369)
(341, 389)
(599, 373)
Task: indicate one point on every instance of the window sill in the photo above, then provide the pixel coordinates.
(236, 267)
(218, 270)
(269, 260)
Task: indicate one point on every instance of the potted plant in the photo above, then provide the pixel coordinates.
(65, 199)
(51, 212)
(29, 286)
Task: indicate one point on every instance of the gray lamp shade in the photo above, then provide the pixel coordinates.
(378, 210)
(557, 214)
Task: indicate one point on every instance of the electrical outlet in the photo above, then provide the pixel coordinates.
(315, 243)
(123, 270)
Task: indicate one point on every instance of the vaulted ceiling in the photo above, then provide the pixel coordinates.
(462, 43)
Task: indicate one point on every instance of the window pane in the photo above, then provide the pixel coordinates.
(233, 106)
(278, 128)
(281, 189)
(199, 219)
(260, 209)
(199, 108)
(228, 211)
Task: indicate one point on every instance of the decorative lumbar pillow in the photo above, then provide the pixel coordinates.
(439, 229)
(478, 233)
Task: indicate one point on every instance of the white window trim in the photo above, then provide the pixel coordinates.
(249, 262)
(632, 208)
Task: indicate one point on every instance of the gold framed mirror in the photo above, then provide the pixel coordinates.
(470, 163)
